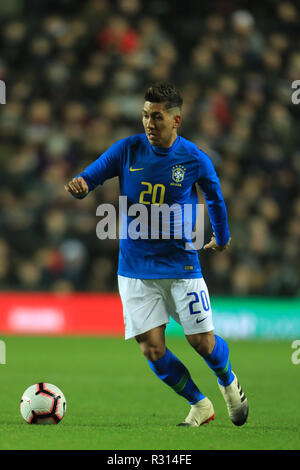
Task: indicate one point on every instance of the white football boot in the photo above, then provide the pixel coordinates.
(236, 401)
(201, 413)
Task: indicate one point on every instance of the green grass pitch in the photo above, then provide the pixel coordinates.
(115, 402)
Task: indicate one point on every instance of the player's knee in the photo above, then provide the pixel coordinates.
(203, 343)
(151, 351)
(152, 343)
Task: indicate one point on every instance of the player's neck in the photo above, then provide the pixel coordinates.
(171, 141)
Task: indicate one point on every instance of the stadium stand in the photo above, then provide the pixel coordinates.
(75, 74)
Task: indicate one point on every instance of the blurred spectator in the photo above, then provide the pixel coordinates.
(118, 37)
(76, 73)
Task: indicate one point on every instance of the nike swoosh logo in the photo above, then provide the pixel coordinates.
(135, 169)
(199, 321)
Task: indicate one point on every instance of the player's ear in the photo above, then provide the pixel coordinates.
(177, 120)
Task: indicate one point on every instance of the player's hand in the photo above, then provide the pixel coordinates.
(214, 246)
(77, 187)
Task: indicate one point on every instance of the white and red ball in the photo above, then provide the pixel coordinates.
(43, 403)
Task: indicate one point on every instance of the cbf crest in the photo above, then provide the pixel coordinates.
(178, 172)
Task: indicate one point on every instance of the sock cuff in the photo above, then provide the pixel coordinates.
(222, 371)
(163, 360)
(173, 373)
(221, 349)
(162, 367)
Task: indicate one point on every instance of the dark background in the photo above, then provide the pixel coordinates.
(75, 74)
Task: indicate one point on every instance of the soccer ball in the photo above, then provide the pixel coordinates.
(43, 403)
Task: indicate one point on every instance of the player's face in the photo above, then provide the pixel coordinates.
(160, 124)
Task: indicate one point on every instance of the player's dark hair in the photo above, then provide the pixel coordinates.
(164, 92)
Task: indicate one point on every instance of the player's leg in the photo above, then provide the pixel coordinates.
(152, 343)
(145, 316)
(194, 310)
(195, 314)
(166, 365)
(173, 373)
(215, 352)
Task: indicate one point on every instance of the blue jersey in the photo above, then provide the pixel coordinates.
(161, 176)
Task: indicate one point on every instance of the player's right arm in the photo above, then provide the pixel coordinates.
(77, 187)
(105, 167)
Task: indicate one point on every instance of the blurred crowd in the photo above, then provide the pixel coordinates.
(76, 73)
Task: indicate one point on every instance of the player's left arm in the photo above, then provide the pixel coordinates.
(209, 184)
(214, 246)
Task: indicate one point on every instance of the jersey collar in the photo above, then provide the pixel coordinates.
(166, 150)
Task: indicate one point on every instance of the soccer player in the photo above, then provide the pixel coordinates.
(159, 277)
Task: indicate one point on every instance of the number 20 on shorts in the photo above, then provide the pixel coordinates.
(204, 302)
